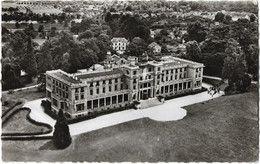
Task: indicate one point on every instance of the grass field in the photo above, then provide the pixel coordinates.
(25, 95)
(19, 124)
(222, 129)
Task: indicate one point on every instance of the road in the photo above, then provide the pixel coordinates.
(171, 110)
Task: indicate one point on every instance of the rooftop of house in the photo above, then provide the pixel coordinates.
(153, 44)
(119, 40)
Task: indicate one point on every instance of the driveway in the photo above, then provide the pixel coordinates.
(171, 110)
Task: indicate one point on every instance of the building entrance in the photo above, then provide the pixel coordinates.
(145, 94)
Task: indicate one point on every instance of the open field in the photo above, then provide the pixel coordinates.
(222, 129)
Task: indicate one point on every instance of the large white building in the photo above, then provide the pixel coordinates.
(82, 93)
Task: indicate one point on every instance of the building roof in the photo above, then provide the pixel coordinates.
(61, 76)
(119, 40)
(153, 44)
(97, 74)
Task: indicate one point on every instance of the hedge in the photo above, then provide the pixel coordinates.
(17, 138)
(7, 111)
(186, 94)
(31, 121)
(213, 82)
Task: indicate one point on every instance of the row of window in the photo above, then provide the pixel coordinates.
(169, 88)
(102, 102)
(60, 85)
(104, 81)
(176, 70)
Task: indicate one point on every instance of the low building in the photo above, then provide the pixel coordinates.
(119, 44)
(156, 48)
(80, 94)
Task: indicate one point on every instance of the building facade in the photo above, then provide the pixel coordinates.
(119, 44)
(79, 94)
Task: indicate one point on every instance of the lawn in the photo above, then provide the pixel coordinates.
(222, 129)
(19, 124)
(23, 96)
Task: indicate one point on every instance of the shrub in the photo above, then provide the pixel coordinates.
(61, 135)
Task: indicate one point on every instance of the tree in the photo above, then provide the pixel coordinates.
(30, 27)
(45, 62)
(128, 8)
(17, 25)
(219, 17)
(227, 18)
(85, 35)
(252, 17)
(234, 64)
(61, 135)
(29, 62)
(108, 17)
(40, 28)
(196, 32)
(137, 47)
(193, 51)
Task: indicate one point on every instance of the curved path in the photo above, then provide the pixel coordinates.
(171, 110)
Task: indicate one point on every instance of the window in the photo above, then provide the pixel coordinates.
(121, 87)
(158, 76)
(115, 87)
(134, 80)
(97, 91)
(159, 69)
(62, 105)
(80, 107)
(176, 71)
(104, 81)
(89, 104)
(184, 85)
(95, 103)
(134, 72)
(141, 78)
(108, 99)
(167, 72)
(125, 97)
(166, 89)
(97, 84)
(49, 94)
(76, 90)
(134, 87)
(104, 90)
(91, 92)
(82, 89)
(150, 69)
(101, 102)
(110, 81)
(171, 88)
(109, 88)
(76, 97)
(55, 102)
(115, 80)
(91, 84)
(180, 86)
(82, 96)
(66, 88)
(162, 88)
(120, 98)
(114, 98)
